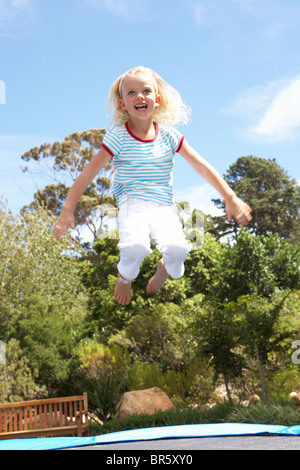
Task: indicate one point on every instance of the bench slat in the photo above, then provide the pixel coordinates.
(46, 417)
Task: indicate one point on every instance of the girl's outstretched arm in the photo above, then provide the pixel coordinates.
(66, 218)
(234, 206)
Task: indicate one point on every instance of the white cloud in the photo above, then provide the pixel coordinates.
(133, 11)
(252, 6)
(272, 110)
(254, 100)
(282, 118)
(198, 14)
(12, 10)
(140, 11)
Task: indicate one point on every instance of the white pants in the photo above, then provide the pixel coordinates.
(145, 222)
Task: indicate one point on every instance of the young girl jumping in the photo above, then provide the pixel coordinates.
(142, 145)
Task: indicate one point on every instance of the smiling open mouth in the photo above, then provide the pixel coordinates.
(141, 107)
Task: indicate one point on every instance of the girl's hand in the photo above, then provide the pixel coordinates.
(65, 221)
(239, 210)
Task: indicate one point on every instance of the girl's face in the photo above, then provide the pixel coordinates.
(139, 96)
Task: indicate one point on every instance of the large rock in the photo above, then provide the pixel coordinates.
(295, 396)
(147, 401)
(254, 399)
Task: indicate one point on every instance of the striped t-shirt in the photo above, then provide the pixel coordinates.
(143, 168)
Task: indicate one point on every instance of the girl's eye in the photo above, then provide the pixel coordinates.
(147, 91)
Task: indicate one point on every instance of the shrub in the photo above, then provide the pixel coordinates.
(285, 415)
(176, 417)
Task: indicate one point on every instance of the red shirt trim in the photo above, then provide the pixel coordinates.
(180, 144)
(141, 140)
(107, 149)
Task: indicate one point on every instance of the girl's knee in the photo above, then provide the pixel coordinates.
(176, 252)
(130, 259)
(137, 252)
(173, 258)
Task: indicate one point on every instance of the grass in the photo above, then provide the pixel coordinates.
(285, 415)
(279, 414)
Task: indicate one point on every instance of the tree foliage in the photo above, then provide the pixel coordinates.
(32, 263)
(238, 301)
(258, 265)
(17, 379)
(60, 163)
(41, 294)
(273, 196)
(219, 336)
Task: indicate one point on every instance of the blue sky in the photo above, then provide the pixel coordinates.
(235, 62)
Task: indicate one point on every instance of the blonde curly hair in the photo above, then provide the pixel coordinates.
(171, 109)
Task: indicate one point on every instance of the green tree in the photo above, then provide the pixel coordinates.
(42, 300)
(218, 332)
(273, 196)
(33, 263)
(202, 266)
(154, 335)
(259, 332)
(17, 382)
(46, 338)
(97, 360)
(107, 317)
(257, 264)
(60, 163)
(251, 272)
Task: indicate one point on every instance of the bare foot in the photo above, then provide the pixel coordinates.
(122, 291)
(156, 282)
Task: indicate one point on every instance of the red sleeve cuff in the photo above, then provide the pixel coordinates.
(107, 149)
(180, 144)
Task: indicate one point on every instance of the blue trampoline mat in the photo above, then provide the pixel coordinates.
(166, 432)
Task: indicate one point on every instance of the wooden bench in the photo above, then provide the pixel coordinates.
(47, 417)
